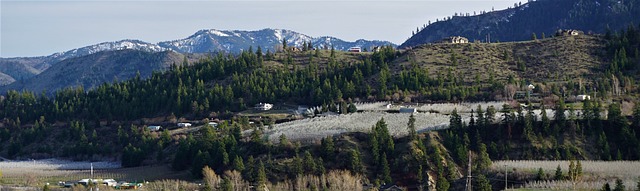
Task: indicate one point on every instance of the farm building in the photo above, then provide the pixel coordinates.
(583, 97)
(154, 128)
(263, 106)
(408, 110)
(355, 49)
(184, 124)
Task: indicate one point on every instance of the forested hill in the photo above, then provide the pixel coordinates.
(95, 69)
(542, 17)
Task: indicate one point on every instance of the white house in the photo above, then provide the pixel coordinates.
(154, 128)
(263, 106)
(355, 49)
(583, 97)
(184, 124)
(213, 124)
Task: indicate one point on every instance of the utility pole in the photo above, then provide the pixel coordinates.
(505, 177)
(469, 174)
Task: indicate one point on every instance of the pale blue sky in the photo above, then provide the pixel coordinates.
(39, 28)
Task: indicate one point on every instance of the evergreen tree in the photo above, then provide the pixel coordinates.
(352, 108)
(327, 147)
(606, 187)
(386, 170)
(619, 185)
(355, 161)
(558, 175)
(540, 174)
(412, 128)
(309, 163)
(442, 184)
(238, 164)
(546, 122)
(261, 177)
(482, 183)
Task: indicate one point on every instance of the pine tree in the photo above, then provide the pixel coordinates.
(619, 185)
(540, 174)
(352, 108)
(327, 148)
(386, 170)
(261, 177)
(558, 175)
(606, 187)
(546, 122)
(442, 184)
(238, 164)
(284, 142)
(309, 163)
(355, 162)
(482, 183)
(412, 128)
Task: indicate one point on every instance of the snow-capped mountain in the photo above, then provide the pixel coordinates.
(235, 41)
(108, 46)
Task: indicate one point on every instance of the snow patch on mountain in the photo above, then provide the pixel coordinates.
(106, 46)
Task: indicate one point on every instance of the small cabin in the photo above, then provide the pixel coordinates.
(355, 49)
(154, 128)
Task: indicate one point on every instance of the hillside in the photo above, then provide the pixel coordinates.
(539, 17)
(557, 59)
(95, 69)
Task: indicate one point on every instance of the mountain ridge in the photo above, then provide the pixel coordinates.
(535, 18)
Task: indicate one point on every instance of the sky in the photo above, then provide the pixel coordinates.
(44, 27)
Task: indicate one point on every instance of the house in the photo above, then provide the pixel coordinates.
(184, 124)
(454, 40)
(387, 187)
(408, 110)
(213, 124)
(568, 32)
(263, 106)
(583, 97)
(154, 128)
(355, 49)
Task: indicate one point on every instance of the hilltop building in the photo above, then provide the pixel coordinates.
(355, 49)
(568, 32)
(454, 40)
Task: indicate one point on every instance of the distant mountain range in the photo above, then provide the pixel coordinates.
(235, 41)
(541, 16)
(19, 71)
